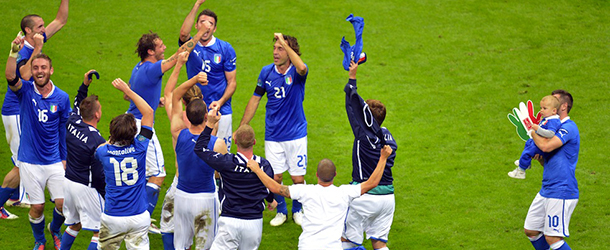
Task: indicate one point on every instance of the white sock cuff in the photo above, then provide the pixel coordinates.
(36, 220)
(95, 239)
(152, 185)
(557, 244)
(71, 232)
(535, 238)
(59, 212)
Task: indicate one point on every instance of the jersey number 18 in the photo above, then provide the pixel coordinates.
(122, 170)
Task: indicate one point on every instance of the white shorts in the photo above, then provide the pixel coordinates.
(12, 128)
(551, 216)
(372, 214)
(196, 216)
(167, 210)
(36, 177)
(287, 155)
(155, 164)
(82, 204)
(132, 229)
(236, 233)
(225, 129)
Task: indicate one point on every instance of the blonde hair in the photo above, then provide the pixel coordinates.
(552, 101)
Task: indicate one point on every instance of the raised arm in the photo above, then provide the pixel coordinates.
(83, 91)
(375, 177)
(148, 115)
(177, 123)
(187, 25)
(188, 47)
(171, 83)
(60, 19)
(26, 70)
(295, 59)
(10, 72)
(358, 113)
(271, 184)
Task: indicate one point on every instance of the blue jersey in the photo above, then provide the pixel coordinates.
(125, 170)
(369, 138)
(558, 177)
(146, 81)
(243, 190)
(551, 123)
(214, 59)
(10, 106)
(285, 118)
(43, 121)
(195, 175)
(82, 140)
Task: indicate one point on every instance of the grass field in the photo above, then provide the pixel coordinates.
(448, 72)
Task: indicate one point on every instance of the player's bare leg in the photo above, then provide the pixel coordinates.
(537, 238)
(10, 187)
(377, 244)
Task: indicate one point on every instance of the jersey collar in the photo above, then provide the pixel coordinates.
(565, 119)
(212, 42)
(277, 71)
(27, 44)
(50, 93)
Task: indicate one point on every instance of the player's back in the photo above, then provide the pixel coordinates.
(82, 140)
(125, 170)
(366, 154)
(195, 175)
(243, 191)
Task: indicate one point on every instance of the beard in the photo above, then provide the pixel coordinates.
(41, 83)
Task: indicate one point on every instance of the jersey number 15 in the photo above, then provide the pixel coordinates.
(122, 169)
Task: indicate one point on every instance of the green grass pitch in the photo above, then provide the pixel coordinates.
(448, 72)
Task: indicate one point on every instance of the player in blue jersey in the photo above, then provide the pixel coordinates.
(146, 80)
(195, 202)
(240, 225)
(326, 204)
(35, 35)
(217, 59)
(373, 212)
(44, 111)
(548, 217)
(123, 158)
(285, 123)
(84, 187)
(547, 127)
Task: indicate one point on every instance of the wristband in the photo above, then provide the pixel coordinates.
(13, 82)
(14, 53)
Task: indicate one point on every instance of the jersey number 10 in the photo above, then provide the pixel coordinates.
(122, 171)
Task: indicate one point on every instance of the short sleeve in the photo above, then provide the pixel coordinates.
(566, 133)
(230, 59)
(297, 191)
(352, 191)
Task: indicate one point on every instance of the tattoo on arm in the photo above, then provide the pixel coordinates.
(284, 191)
(190, 44)
(172, 58)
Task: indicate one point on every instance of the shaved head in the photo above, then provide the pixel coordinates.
(326, 170)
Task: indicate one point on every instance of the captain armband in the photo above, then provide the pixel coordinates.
(12, 82)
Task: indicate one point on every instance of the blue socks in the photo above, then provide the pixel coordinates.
(38, 228)
(539, 242)
(6, 193)
(152, 193)
(68, 239)
(58, 220)
(296, 206)
(92, 245)
(281, 204)
(168, 241)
